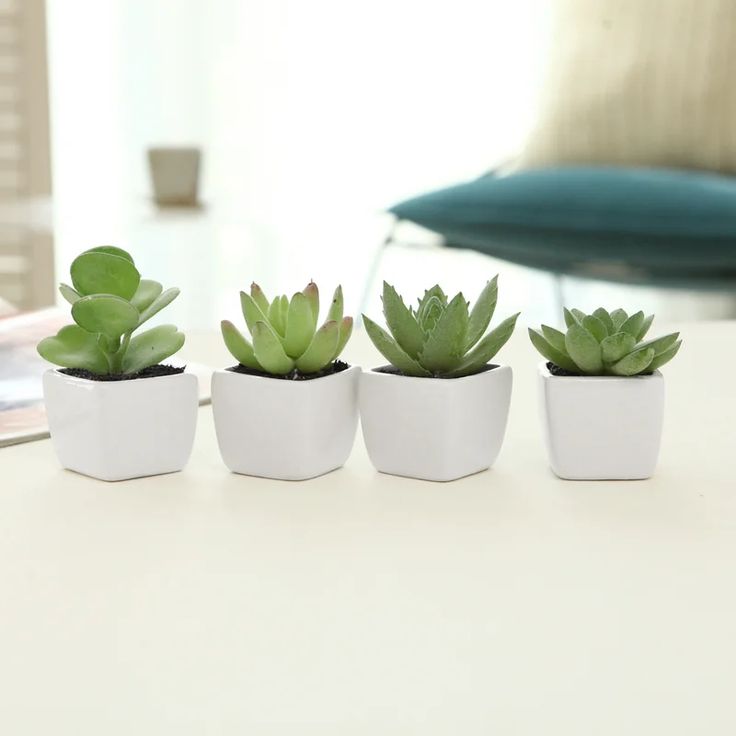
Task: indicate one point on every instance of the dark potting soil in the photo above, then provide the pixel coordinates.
(391, 370)
(151, 372)
(337, 367)
(555, 370)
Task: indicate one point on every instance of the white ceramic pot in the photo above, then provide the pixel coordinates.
(115, 430)
(602, 427)
(289, 430)
(434, 428)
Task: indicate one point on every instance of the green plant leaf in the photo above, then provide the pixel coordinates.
(618, 317)
(604, 317)
(645, 328)
(151, 348)
(389, 348)
(401, 322)
(633, 324)
(274, 317)
(429, 314)
(482, 313)
(584, 349)
(570, 318)
(435, 291)
(665, 357)
(615, 346)
(105, 314)
(312, 293)
(238, 346)
(578, 314)
(71, 295)
(269, 350)
(445, 346)
(113, 251)
(595, 326)
(73, 347)
(346, 329)
(320, 351)
(104, 273)
(146, 293)
(486, 348)
(299, 326)
(555, 338)
(251, 311)
(633, 363)
(551, 353)
(335, 313)
(660, 344)
(162, 300)
(259, 297)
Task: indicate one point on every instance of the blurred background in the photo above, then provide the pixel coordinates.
(225, 141)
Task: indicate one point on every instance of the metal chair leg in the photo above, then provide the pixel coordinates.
(373, 269)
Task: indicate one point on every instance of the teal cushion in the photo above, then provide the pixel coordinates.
(646, 225)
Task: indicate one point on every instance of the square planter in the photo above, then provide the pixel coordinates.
(115, 430)
(175, 176)
(288, 430)
(602, 427)
(434, 428)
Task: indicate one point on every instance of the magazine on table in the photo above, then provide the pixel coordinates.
(22, 414)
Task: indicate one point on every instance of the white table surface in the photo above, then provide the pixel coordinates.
(506, 603)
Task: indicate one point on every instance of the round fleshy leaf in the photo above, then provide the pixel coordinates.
(104, 273)
(151, 347)
(148, 291)
(584, 349)
(113, 251)
(105, 314)
(68, 293)
(73, 347)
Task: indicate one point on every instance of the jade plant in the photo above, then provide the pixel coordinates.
(605, 344)
(441, 337)
(284, 332)
(110, 301)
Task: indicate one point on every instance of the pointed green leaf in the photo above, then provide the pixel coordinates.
(555, 338)
(151, 348)
(299, 327)
(435, 291)
(487, 348)
(103, 273)
(312, 293)
(346, 329)
(105, 314)
(73, 347)
(633, 363)
(660, 344)
(238, 346)
(259, 297)
(269, 351)
(595, 327)
(584, 349)
(633, 324)
(146, 293)
(160, 302)
(665, 357)
(274, 317)
(68, 293)
(551, 353)
(578, 314)
(445, 346)
(429, 314)
(645, 328)
(401, 322)
(335, 312)
(618, 317)
(615, 346)
(321, 350)
(604, 317)
(482, 312)
(251, 311)
(570, 318)
(389, 348)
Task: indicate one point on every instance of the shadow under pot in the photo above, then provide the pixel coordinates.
(117, 430)
(285, 429)
(602, 427)
(436, 429)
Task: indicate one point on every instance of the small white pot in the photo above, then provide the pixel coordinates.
(289, 430)
(602, 427)
(115, 430)
(434, 428)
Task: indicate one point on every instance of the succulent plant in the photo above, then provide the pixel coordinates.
(439, 338)
(285, 334)
(109, 302)
(605, 344)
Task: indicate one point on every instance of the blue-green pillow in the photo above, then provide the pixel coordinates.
(632, 224)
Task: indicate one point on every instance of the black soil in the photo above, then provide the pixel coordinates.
(153, 371)
(337, 367)
(393, 371)
(555, 370)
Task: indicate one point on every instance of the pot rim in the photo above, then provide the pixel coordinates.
(89, 381)
(545, 373)
(498, 369)
(350, 369)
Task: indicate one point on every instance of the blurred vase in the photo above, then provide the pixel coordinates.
(175, 175)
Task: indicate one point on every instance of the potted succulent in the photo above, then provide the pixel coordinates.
(114, 411)
(288, 409)
(439, 410)
(603, 394)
